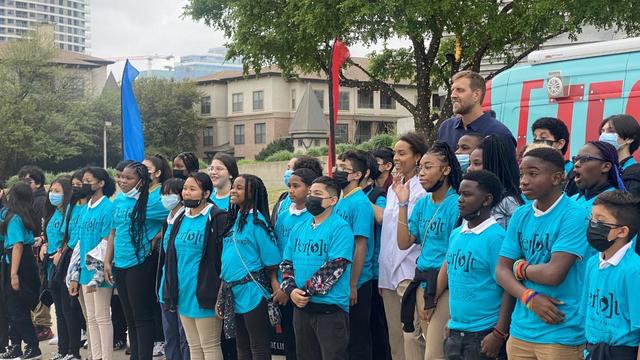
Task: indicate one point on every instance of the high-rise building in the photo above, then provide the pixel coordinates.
(70, 18)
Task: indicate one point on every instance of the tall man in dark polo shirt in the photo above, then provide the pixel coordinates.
(467, 91)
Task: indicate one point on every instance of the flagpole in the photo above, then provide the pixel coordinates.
(332, 126)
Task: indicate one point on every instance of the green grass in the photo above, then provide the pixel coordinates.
(274, 194)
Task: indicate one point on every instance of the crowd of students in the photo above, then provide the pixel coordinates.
(423, 251)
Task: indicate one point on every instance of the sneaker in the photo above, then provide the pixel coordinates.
(127, 351)
(119, 345)
(57, 356)
(14, 352)
(44, 333)
(71, 357)
(54, 341)
(31, 353)
(83, 340)
(158, 349)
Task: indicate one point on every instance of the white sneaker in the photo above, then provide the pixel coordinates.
(70, 357)
(53, 341)
(158, 349)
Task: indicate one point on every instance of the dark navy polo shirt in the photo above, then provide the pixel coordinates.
(451, 130)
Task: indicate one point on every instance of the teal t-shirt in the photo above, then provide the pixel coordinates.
(124, 251)
(284, 205)
(628, 164)
(308, 249)
(355, 208)
(17, 232)
(284, 225)
(222, 203)
(189, 244)
(74, 224)
(94, 225)
(55, 232)
(474, 293)
(431, 224)
(535, 238)
(610, 302)
(248, 250)
(381, 202)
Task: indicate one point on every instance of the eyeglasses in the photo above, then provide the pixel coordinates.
(429, 167)
(585, 158)
(345, 169)
(217, 168)
(593, 222)
(544, 141)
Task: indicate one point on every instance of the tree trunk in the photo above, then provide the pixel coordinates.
(424, 62)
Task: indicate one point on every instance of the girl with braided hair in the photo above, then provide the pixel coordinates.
(185, 164)
(137, 220)
(432, 221)
(250, 257)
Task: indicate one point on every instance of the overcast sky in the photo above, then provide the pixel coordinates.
(122, 28)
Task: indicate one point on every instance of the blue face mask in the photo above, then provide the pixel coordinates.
(170, 201)
(133, 192)
(610, 138)
(287, 176)
(463, 159)
(56, 199)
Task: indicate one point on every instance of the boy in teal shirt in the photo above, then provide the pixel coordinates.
(476, 331)
(610, 298)
(355, 208)
(541, 264)
(316, 272)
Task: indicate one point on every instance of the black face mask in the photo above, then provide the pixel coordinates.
(340, 177)
(597, 236)
(77, 192)
(179, 174)
(314, 205)
(192, 203)
(87, 190)
(435, 186)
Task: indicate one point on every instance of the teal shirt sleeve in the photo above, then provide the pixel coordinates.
(633, 294)
(107, 217)
(510, 246)
(572, 235)
(155, 209)
(363, 221)
(267, 247)
(342, 245)
(381, 202)
(17, 233)
(493, 253)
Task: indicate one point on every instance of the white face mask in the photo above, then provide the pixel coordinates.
(170, 201)
(133, 192)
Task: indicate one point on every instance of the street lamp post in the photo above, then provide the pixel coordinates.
(104, 143)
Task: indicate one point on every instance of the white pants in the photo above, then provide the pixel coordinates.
(99, 327)
(203, 336)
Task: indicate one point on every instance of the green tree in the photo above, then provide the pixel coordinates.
(168, 115)
(37, 103)
(297, 35)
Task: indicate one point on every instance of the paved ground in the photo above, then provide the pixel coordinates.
(48, 350)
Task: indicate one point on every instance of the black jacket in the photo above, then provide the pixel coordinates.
(40, 199)
(210, 264)
(631, 177)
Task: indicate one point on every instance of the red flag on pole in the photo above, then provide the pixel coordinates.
(339, 55)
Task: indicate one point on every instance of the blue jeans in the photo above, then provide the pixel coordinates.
(175, 342)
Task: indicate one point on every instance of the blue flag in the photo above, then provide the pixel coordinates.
(132, 132)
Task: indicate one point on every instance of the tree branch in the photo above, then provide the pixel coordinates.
(523, 55)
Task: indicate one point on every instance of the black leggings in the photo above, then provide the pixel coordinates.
(136, 292)
(118, 320)
(21, 302)
(68, 313)
(253, 334)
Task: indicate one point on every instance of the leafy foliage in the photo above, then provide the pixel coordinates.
(275, 146)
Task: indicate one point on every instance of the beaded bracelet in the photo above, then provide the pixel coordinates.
(499, 334)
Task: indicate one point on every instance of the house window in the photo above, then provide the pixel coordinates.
(258, 100)
(320, 96)
(342, 133)
(385, 127)
(387, 102)
(343, 101)
(435, 101)
(205, 105)
(365, 99)
(236, 102)
(293, 99)
(260, 133)
(238, 134)
(363, 131)
(207, 136)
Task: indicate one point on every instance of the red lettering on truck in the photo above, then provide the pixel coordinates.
(598, 93)
(523, 118)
